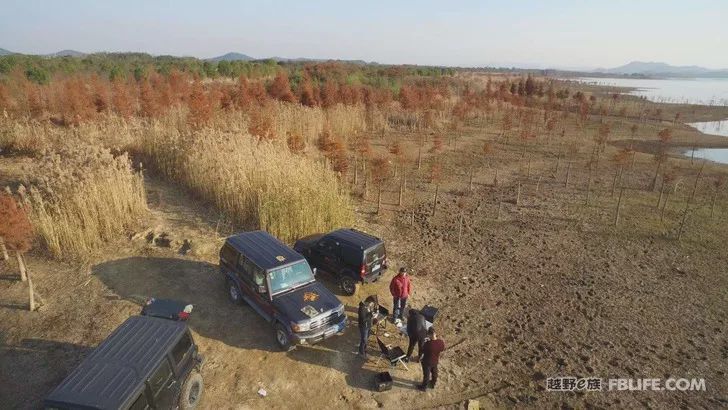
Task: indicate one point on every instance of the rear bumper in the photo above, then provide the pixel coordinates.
(315, 336)
(373, 277)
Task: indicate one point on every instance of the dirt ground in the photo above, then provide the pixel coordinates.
(543, 291)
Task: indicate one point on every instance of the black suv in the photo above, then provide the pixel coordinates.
(148, 362)
(350, 255)
(278, 283)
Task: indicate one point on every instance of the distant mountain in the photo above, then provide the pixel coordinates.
(4, 52)
(232, 57)
(662, 70)
(66, 53)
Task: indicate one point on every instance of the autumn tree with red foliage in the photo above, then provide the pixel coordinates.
(295, 142)
(17, 235)
(121, 99)
(280, 88)
(200, 105)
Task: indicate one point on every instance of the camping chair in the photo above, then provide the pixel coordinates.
(394, 355)
(382, 314)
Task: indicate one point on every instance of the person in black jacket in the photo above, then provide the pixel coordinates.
(417, 331)
(365, 326)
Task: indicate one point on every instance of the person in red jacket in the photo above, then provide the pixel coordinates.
(400, 289)
(431, 351)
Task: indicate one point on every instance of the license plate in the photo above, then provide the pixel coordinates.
(375, 267)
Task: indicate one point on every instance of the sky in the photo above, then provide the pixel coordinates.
(577, 34)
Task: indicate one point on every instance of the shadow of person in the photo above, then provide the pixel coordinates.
(20, 388)
(199, 283)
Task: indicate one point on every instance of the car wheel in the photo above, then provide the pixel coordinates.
(234, 293)
(348, 285)
(191, 391)
(282, 338)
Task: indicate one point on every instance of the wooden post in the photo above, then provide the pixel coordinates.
(619, 204)
(3, 250)
(470, 185)
(558, 162)
(538, 183)
(518, 194)
(568, 174)
(356, 170)
(687, 204)
(588, 186)
(21, 266)
(379, 197)
(419, 155)
(434, 204)
(401, 188)
(460, 230)
(31, 295)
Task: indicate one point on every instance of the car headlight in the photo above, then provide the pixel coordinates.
(300, 327)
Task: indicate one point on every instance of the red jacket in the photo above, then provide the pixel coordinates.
(400, 286)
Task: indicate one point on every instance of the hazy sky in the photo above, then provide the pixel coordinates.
(547, 33)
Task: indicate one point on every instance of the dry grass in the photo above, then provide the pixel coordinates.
(85, 196)
(259, 185)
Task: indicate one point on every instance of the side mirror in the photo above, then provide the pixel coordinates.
(314, 271)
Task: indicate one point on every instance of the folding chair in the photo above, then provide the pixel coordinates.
(394, 355)
(382, 314)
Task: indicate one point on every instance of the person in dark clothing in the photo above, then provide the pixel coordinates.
(417, 332)
(431, 351)
(365, 325)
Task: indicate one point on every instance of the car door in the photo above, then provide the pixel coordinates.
(327, 250)
(164, 386)
(255, 287)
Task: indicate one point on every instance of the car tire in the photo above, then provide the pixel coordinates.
(234, 293)
(347, 285)
(282, 338)
(191, 393)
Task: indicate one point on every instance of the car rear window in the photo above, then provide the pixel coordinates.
(375, 254)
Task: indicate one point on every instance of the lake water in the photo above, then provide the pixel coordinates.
(704, 91)
(711, 154)
(711, 127)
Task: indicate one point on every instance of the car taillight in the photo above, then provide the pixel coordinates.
(363, 271)
(183, 315)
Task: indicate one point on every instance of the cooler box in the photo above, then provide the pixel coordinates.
(383, 381)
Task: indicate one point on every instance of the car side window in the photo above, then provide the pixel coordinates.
(160, 377)
(140, 403)
(351, 256)
(182, 347)
(229, 254)
(258, 276)
(328, 247)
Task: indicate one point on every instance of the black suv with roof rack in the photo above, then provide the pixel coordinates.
(278, 283)
(149, 362)
(350, 255)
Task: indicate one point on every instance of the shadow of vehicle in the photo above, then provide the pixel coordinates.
(199, 283)
(20, 388)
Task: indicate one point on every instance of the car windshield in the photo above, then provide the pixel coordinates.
(289, 276)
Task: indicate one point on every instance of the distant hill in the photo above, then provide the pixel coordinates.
(662, 70)
(232, 57)
(4, 52)
(66, 53)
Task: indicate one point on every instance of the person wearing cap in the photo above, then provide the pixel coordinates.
(399, 287)
(431, 351)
